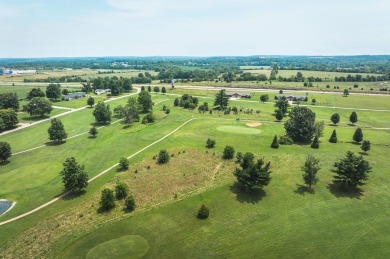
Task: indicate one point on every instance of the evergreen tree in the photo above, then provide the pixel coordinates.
(124, 164)
(210, 143)
(93, 131)
(163, 90)
(315, 143)
(221, 100)
(5, 151)
(91, 101)
(130, 203)
(310, 169)
(57, 131)
(335, 118)
(366, 146)
(358, 135)
(107, 200)
(279, 114)
(353, 118)
(351, 170)
(333, 138)
(253, 176)
(275, 143)
(203, 212)
(163, 157)
(176, 102)
(121, 191)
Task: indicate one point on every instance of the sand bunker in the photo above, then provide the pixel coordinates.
(253, 124)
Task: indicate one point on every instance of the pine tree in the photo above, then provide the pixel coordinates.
(275, 143)
(203, 212)
(315, 143)
(310, 168)
(353, 118)
(358, 135)
(333, 138)
(366, 146)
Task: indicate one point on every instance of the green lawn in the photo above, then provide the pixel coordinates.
(284, 220)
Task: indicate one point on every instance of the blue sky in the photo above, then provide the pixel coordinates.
(69, 28)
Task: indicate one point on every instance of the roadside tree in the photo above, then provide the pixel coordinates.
(102, 113)
(38, 106)
(5, 151)
(73, 175)
(53, 91)
(145, 100)
(57, 131)
(91, 101)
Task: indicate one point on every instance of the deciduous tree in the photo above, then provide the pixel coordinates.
(301, 125)
(145, 100)
(91, 101)
(228, 152)
(57, 131)
(9, 101)
(73, 175)
(53, 91)
(38, 106)
(102, 113)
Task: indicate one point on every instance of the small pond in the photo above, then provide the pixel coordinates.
(5, 206)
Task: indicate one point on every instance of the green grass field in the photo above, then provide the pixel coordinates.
(283, 220)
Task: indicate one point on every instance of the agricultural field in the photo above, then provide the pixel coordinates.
(283, 219)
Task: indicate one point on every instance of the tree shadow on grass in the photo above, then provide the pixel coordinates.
(302, 190)
(247, 197)
(54, 143)
(72, 195)
(35, 118)
(363, 153)
(340, 190)
(3, 163)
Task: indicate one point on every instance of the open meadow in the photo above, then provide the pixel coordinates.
(284, 220)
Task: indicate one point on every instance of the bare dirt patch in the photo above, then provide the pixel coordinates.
(253, 124)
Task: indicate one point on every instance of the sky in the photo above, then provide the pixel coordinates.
(85, 28)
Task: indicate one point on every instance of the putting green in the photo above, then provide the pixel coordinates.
(239, 130)
(129, 246)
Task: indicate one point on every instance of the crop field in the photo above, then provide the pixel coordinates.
(283, 219)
